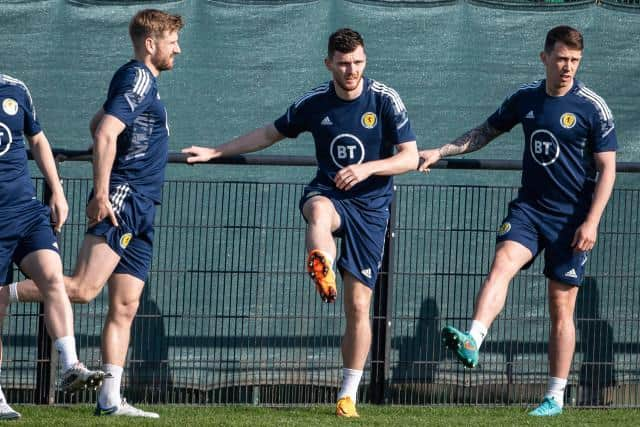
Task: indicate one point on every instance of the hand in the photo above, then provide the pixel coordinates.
(585, 237)
(347, 177)
(200, 154)
(59, 211)
(99, 209)
(427, 158)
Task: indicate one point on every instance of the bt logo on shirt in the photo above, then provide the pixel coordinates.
(346, 149)
(544, 147)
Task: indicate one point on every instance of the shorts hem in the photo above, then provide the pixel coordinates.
(358, 275)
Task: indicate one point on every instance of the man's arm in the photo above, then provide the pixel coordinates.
(257, 140)
(105, 139)
(41, 151)
(95, 121)
(586, 235)
(404, 160)
(470, 141)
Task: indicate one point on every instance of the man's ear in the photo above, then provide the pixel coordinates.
(150, 45)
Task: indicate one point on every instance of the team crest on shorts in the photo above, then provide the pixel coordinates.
(369, 120)
(10, 106)
(504, 229)
(568, 120)
(125, 240)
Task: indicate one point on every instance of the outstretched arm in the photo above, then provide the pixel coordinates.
(587, 234)
(470, 141)
(404, 160)
(257, 140)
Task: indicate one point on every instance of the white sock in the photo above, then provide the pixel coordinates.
(478, 331)
(350, 382)
(556, 389)
(2, 398)
(13, 292)
(110, 391)
(66, 347)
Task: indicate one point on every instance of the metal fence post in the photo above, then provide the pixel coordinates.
(47, 360)
(382, 316)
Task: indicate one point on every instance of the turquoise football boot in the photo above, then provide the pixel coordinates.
(548, 408)
(462, 345)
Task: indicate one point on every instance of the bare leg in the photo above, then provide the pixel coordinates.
(45, 268)
(357, 337)
(124, 298)
(322, 220)
(96, 261)
(562, 341)
(509, 259)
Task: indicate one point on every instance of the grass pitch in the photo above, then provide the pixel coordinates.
(173, 415)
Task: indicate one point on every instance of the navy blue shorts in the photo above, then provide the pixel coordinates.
(25, 231)
(362, 231)
(539, 231)
(133, 239)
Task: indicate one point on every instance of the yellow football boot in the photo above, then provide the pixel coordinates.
(346, 408)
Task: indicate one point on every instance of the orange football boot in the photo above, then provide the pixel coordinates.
(322, 274)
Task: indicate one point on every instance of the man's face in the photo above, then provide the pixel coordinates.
(347, 68)
(561, 65)
(166, 48)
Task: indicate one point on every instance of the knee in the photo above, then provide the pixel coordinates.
(52, 283)
(316, 211)
(123, 311)
(81, 292)
(504, 265)
(357, 309)
(561, 318)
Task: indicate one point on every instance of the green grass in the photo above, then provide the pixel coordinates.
(173, 415)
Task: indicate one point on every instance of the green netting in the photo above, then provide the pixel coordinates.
(627, 5)
(121, 2)
(535, 4)
(405, 3)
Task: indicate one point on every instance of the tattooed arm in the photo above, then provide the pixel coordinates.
(472, 140)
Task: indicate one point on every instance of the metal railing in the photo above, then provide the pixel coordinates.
(228, 315)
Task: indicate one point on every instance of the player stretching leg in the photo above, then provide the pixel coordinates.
(569, 167)
(26, 235)
(362, 136)
(131, 143)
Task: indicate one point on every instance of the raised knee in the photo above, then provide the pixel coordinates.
(80, 293)
(316, 210)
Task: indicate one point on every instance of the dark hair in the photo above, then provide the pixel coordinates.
(152, 23)
(564, 34)
(344, 40)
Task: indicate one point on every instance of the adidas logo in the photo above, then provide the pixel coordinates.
(55, 245)
(366, 273)
(571, 273)
(326, 121)
(530, 115)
